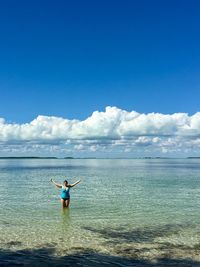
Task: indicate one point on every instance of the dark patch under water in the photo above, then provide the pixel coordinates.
(85, 257)
(139, 235)
(125, 250)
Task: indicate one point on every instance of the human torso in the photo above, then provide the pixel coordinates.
(65, 192)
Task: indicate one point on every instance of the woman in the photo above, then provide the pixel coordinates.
(65, 188)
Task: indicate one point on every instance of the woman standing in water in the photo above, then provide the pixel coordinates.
(65, 188)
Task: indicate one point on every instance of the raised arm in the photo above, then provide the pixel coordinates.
(72, 185)
(56, 184)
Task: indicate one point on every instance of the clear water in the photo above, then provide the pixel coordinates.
(123, 211)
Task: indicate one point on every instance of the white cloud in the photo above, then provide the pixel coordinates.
(143, 140)
(79, 147)
(94, 148)
(112, 129)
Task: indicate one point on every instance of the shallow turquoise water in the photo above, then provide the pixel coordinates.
(123, 207)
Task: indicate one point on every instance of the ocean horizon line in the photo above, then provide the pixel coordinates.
(53, 157)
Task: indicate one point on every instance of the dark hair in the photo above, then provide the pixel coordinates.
(65, 181)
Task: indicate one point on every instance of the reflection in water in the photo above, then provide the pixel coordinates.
(66, 220)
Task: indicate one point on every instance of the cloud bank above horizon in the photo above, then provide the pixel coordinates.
(114, 132)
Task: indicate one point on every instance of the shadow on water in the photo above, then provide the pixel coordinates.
(139, 235)
(42, 168)
(124, 250)
(82, 257)
(149, 243)
(65, 217)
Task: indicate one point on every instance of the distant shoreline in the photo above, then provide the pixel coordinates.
(33, 157)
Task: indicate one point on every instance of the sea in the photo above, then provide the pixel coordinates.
(124, 212)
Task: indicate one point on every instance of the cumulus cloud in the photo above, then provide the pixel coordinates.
(112, 128)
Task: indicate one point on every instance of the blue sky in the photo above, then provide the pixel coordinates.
(71, 58)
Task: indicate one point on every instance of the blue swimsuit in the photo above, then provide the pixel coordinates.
(65, 193)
